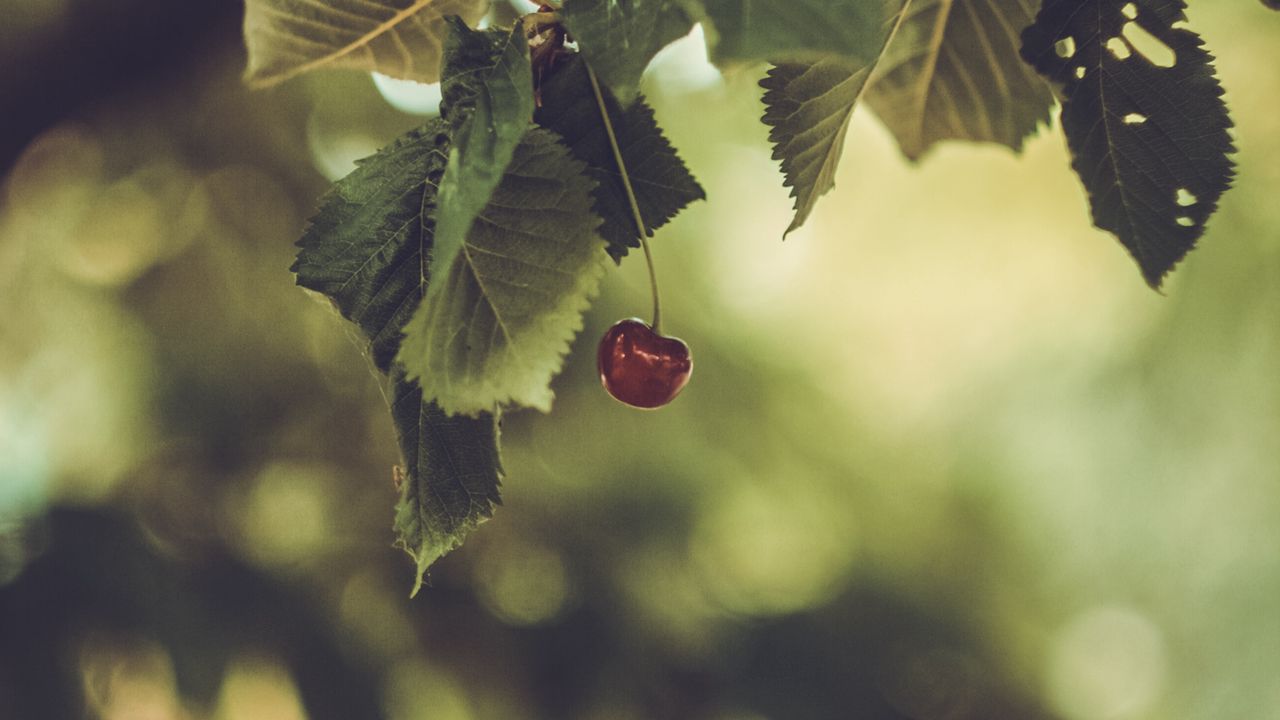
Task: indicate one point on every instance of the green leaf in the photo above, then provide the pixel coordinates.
(798, 30)
(662, 184)
(400, 38)
(368, 250)
(953, 71)
(808, 107)
(507, 308)
(620, 37)
(488, 99)
(451, 478)
(1144, 118)
(367, 247)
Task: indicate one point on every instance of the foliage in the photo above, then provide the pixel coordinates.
(662, 184)
(1148, 138)
(952, 72)
(400, 38)
(468, 250)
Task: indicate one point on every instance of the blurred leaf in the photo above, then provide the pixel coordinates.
(620, 37)
(366, 247)
(808, 107)
(399, 38)
(497, 322)
(953, 71)
(1150, 143)
(662, 184)
(451, 478)
(799, 30)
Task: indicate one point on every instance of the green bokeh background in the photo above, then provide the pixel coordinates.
(944, 454)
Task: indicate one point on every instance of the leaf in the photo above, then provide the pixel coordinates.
(367, 247)
(451, 478)
(498, 329)
(808, 106)
(798, 30)
(368, 250)
(1150, 142)
(399, 38)
(488, 99)
(662, 184)
(620, 37)
(953, 71)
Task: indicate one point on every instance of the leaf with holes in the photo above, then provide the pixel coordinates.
(620, 37)
(510, 302)
(663, 185)
(399, 38)
(1144, 118)
(953, 71)
(451, 475)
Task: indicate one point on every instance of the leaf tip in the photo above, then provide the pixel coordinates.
(417, 582)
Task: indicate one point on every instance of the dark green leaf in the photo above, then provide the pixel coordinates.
(366, 249)
(620, 37)
(799, 30)
(451, 478)
(488, 99)
(509, 306)
(953, 71)
(662, 183)
(1149, 141)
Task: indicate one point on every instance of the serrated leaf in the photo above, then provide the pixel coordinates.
(662, 184)
(488, 99)
(367, 248)
(798, 30)
(451, 479)
(953, 71)
(620, 37)
(1150, 142)
(513, 299)
(808, 106)
(399, 38)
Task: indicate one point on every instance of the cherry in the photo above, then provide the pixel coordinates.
(641, 367)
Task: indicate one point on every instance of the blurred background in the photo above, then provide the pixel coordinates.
(944, 455)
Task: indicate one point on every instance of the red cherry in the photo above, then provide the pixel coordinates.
(640, 367)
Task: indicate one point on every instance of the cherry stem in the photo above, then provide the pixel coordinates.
(631, 195)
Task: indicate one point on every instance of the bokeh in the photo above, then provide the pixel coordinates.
(944, 455)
